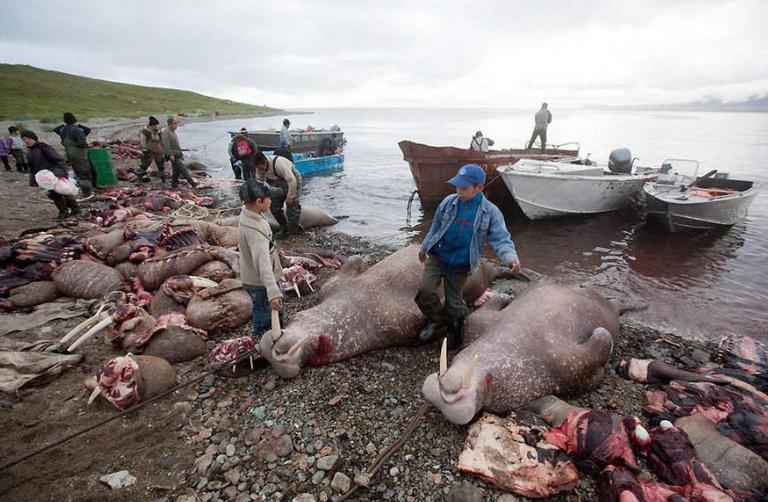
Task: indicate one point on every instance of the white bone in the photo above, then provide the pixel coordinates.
(444, 357)
(94, 394)
(641, 434)
(470, 371)
(83, 325)
(90, 333)
(297, 346)
(202, 282)
(276, 330)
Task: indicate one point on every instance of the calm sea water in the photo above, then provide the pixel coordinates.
(702, 285)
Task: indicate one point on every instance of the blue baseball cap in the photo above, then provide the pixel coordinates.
(470, 174)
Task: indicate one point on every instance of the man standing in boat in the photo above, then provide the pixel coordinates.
(480, 143)
(543, 118)
(285, 135)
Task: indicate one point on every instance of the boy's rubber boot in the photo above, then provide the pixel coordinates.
(454, 333)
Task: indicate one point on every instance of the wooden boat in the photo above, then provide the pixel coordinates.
(545, 189)
(682, 202)
(302, 141)
(432, 166)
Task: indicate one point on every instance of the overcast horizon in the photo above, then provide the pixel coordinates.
(435, 54)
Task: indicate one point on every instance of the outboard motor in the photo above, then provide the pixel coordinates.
(620, 161)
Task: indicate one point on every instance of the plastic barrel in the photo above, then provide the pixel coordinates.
(101, 160)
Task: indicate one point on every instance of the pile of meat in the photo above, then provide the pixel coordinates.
(707, 440)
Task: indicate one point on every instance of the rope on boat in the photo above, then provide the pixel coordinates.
(382, 458)
(408, 208)
(214, 368)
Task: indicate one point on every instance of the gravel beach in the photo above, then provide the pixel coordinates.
(262, 438)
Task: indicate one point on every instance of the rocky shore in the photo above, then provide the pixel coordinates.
(262, 438)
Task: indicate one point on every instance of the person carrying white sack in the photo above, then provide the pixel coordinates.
(42, 157)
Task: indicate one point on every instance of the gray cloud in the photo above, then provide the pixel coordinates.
(356, 53)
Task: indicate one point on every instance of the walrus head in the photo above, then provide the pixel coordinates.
(459, 391)
(285, 351)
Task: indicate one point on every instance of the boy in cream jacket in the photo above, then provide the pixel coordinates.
(260, 267)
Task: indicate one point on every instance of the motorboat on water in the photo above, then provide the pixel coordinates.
(547, 189)
(312, 152)
(689, 202)
(317, 141)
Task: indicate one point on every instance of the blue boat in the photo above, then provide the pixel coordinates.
(307, 165)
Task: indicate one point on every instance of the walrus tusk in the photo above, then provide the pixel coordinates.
(94, 394)
(297, 346)
(276, 330)
(444, 357)
(202, 282)
(250, 360)
(83, 325)
(91, 332)
(470, 371)
(296, 288)
(310, 285)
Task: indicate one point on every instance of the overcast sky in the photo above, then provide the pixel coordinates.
(295, 54)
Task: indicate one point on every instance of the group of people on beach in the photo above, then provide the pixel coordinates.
(33, 156)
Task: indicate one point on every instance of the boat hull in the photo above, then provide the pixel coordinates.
(315, 165)
(680, 215)
(432, 167)
(543, 196)
(301, 142)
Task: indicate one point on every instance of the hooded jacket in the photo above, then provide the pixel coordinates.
(259, 261)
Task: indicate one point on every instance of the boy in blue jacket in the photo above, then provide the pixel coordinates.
(452, 250)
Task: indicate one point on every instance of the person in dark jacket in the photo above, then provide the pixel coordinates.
(542, 119)
(242, 148)
(43, 156)
(76, 147)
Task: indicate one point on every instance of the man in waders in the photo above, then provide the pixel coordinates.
(242, 149)
(542, 119)
(151, 149)
(72, 137)
(282, 173)
(172, 151)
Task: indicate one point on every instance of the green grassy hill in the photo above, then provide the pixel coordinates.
(27, 92)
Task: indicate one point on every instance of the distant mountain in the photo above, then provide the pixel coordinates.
(753, 104)
(27, 92)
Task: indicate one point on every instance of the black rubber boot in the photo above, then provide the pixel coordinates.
(454, 333)
(430, 331)
(74, 209)
(282, 221)
(61, 205)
